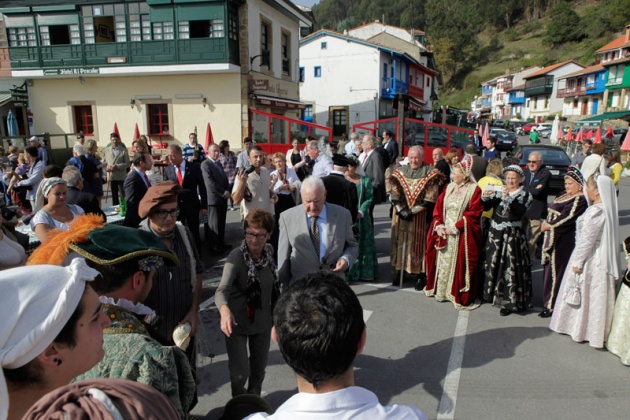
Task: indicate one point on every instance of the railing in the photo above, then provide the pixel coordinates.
(59, 145)
(393, 86)
(416, 92)
(572, 91)
(614, 82)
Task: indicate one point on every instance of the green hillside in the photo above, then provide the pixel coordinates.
(475, 40)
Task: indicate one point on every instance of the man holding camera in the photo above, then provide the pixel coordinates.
(252, 185)
(218, 193)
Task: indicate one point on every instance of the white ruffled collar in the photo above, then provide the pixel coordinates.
(136, 308)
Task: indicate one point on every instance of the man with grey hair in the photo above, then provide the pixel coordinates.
(372, 164)
(319, 164)
(315, 236)
(351, 147)
(415, 188)
(536, 182)
(86, 200)
(89, 172)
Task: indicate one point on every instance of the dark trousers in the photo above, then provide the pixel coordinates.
(117, 191)
(216, 223)
(243, 367)
(189, 215)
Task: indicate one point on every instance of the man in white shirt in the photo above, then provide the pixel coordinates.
(320, 164)
(351, 146)
(319, 327)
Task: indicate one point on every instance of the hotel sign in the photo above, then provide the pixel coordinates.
(71, 71)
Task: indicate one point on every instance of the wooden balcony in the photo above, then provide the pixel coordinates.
(572, 91)
(416, 92)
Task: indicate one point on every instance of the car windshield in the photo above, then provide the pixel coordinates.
(550, 156)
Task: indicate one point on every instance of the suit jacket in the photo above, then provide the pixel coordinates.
(121, 159)
(384, 155)
(375, 170)
(296, 253)
(342, 192)
(193, 182)
(538, 209)
(135, 188)
(87, 201)
(392, 150)
(478, 167)
(216, 182)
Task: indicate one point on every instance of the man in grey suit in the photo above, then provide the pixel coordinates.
(217, 187)
(315, 236)
(372, 164)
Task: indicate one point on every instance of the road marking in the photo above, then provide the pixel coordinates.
(446, 410)
(367, 315)
(206, 304)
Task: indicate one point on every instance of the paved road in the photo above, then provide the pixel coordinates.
(453, 365)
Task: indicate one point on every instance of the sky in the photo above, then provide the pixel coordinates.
(308, 3)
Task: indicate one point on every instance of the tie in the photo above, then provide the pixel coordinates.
(364, 159)
(146, 179)
(314, 232)
(179, 175)
(216, 162)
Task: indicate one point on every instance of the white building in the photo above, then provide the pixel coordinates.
(347, 80)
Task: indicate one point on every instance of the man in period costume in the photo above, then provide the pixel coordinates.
(127, 259)
(339, 190)
(415, 189)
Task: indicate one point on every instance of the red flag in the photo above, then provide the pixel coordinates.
(625, 147)
(136, 133)
(579, 136)
(486, 136)
(609, 134)
(209, 138)
(570, 134)
(116, 130)
(560, 134)
(598, 136)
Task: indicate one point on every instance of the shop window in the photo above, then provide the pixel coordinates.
(158, 119)
(83, 119)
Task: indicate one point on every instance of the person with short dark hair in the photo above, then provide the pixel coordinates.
(253, 190)
(580, 155)
(34, 177)
(217, 191)
(242, 160)
(193, 152)
(136, 185)
(319, 327)
(244, 299)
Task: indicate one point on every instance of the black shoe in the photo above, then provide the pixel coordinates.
(504, 312)
(422, 282)
(545, 313)
(396, 278)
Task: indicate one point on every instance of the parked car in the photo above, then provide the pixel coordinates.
(498, 123)
(496, 131)
(545, 133)
(617, 134)
(554, 158)
(525, 129)
(506, 141)
(542, 126)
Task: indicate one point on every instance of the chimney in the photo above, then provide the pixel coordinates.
(628, 32)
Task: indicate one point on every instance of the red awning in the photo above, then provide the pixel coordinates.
(279, 102)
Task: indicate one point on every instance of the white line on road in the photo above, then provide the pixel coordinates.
(367, 315)
(446, 411)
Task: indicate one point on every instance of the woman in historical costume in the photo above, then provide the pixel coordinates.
(508, 276)
(619, 338)
(52, 331)
(559, 236)
(454, 240)
(295, 159)
(593, 269)
(365, 267)
(244, 298)
(55, 213)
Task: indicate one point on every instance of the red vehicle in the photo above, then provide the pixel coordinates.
(525, 129)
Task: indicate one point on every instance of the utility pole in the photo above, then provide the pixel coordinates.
(400, 128)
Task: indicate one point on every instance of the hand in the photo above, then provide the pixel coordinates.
(539, 187)
(203, 212)
(488, 192)
(242, 175)
(577, 270)
(342, 265)
(449, 231)
(191, 159)
(544, 227)
(274, 198)
(227, 195)
(192, 317)
(505, 192)
(441, 232)
(227, 320)
(405, 214)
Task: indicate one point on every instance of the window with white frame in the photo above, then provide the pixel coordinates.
(22, 37)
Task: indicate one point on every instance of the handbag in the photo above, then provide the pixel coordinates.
(573, 294)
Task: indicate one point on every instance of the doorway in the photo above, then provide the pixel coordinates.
(339, 117)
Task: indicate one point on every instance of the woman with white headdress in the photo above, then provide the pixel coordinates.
(51, 331)
(586, 299)
(53, 211)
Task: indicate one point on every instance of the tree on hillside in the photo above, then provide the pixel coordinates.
(564, 25)
(334, 14)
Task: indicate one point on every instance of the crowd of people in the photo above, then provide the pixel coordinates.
(465, 229)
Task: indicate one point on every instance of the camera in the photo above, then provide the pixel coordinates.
(249, 169)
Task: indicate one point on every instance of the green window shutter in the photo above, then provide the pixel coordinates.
(200, 12)
(57, 19)
(161, 14)
(16, 21)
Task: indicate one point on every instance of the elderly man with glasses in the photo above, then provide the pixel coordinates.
(536, 182)
(176, 291)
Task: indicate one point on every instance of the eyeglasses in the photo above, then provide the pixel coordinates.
(251, 235)
(163, 213)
